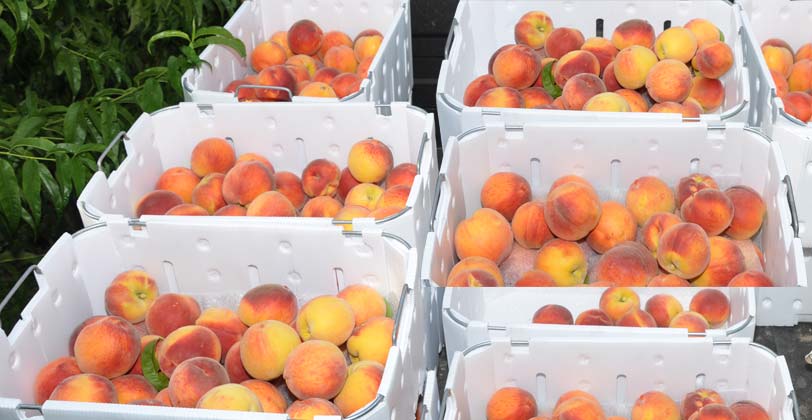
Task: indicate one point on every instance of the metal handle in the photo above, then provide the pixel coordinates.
(28, 271)
(265, 87)
(436, 203)
(399, 313)
(793, 210)
(451, 36)
(796, 409)
(119, 136)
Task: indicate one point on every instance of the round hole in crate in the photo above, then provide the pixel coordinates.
(766, 303)
(203, 245)
(214, 276)
(339, 6)
(659, 360)
(329, 123)
(630, 9)
(36, 327)
(654, 171)
(314, 5)
(139, 158)
(56, 297)
(797, 305)
(127, 181)
(127, 241)
(138, 268)
(285, 247)
(370, 280)
(294, 278)
(113, 201)
(14, 360)
(716, 170)
(577, 145)
(809, 168)
(784, 13)
(334, 149)
(363, 250)
(502, 143)
(724, 359)
(277, 149)
(659, 386)
(271, 123)
(583, 360)
(364, 8)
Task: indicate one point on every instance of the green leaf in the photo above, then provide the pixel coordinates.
(10, 204)
(79, 175)
(150, 368)
(35, 28)
(51, 187)
(172, 33)
(34, 143)
(29, 126)
(71, 127)
(213, 30)
(233, 43)
(31, 189)
(548, 81)
(151, 97)
(68, 64)
(11, 37)
(63, 176)
(390, 311)
(108, 119)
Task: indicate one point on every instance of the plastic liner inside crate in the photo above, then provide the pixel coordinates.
(611, 156)
(216, 265)
(617, 372)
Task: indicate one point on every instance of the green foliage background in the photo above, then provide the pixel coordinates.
(73, 74)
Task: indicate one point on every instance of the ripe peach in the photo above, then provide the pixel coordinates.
(726, 262)
(78, 329)
(562, 41)
(609, 78)
(535, 278)
(370, 160)
(231, 210)
(715, 412)
(517, 67)
(233, 397)
(594, 317)
(579, 408)
(647, 196)
(691, 108)
(383, 212)
(212, 155)
(281, 38)
(266, 54)
(689, 186)
(245, 181)
(564, 261)
(695, 400)
(233, 364)
(670, 108)
(580, 89)
(713, 305)
(208, 194)
(627, 264)
(713, 59)
(676, 43)
(309, 408)
(684, 250)
(803, 52)
(265, 347)
(553, 314)
(365, 302)
(289, 185)
(751, 279)
(633, 32)
(532, 29)
(668, 280)
(637, 318)
(655, 405)
(321, 206)
(367, 47)
(653, 229)
(315, 369)
(572, 210)
(749, 410)
(193, 378)
(636, 101)
(271, 204)
(254, 157)
(131, 388)
(511, 403)
(704, 30)
(669, 80)
(800, 77)
(345, 84)
(616, 225)
(185, 343)
(361, 387)
(163, 397)
(279, 76)
(187, 210)
(225, 324)
(616, 301)
(318, 90)
(535, 97)
(529, 228)
(108, 347)
(320, 177)
(364, 195)
(632, 66)
(341, 58)
(778, 59)
(271, 400)
(326, 75)
(346, 182)
(268, 302)
(799, 105)
(348, 213)
(663, 308)
(333, 39)
(485, 234)
(85, 387)
(371, 340)
(692, 321)
(477, 263)
(150, 402)
(781, 84)
(501, 97)
(157, 203)
(52, 375)
(603, 49)
(711, 209)
(477, 87)
(181, 181)
(473, 278)
(574, 63)
(394, 197)
(576, 393)
(326, 318)
(402, 174)
(130, 294)
(710, 93)
(305, 37)
(505, 192)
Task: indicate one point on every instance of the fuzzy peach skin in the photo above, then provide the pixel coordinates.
(326, 75)
(231, 210)
(342, 58)
(108, 347)
(212, 155)
(684, 250)
(695, 400)
(564, 261)
(181, 181)
(668, 280)
(346, 84)
(309, 408)
(501, 97)
(594, 317)
(572, 210)
(268, 302)
(505, 192)
(535, 97)
(691, 321)
(553, 314)
(52, 375)
(396, 197)
(751, 279)
(208, 194)
(579, 407)
(402, 175)
(133, 388)
(361, 387)
(637, 318)
(253, 157)
(364, 195)
(616, 225)
(711, 209)
(371, 340)
(603, 49)
(799, 105)
(130, 294)
(715, 412)
(266, 54)
(616, 301)
(271, 204)
(576, 393)
(245, 181)
(713, 59)
(473, 278)
(704, 30)
(609, 78)
(280, 75)
(225, 324)
(265, 347)
(636, 101)
(517, 67)
(676, 43)
(85, 387)
(305, 37)
(477, 87)
(691, 108)
(232, 397)
(749, 212)
(345, 183)
(366, 47)
(320, 177)
(690, 185)
(663, 308)
(535, 278)
(187, 210)
(653, 229)
(713, 305)
(574, 63)
(532, 29)
(781, 84)
(366, 302)
(185, 343)
(567, 179)
(709, 93)
(318, 90)
(647, 196)
(163, 397)
(326, 318)
(369, 160)
(511, 403)
(670, 108)
(803, 52)
(726, 261)
(315, 369)
(562, 41)
(157, 203)
(193, 378)
(289, 185)
(778, 59)
(233, 364)
(477, 263)
(633, 32)
(749, 410)
(800, 77)
(579, 89)
(383, 212)
(321, 207)
(349, 213)
(529, 228)
(669, 80)
(485, 234)
(627, 264)
(332, 39)
(655, 405)
(607, 102)
(271, 400)
(632, 66)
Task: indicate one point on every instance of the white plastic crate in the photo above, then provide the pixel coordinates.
(480, 27)
(289, 135)
(474, 315)
(216, 265)
(390, 76)
(611, 156)
(617, 372)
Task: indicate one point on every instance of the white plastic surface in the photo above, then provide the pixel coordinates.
(473, 315)
(289, 135)
(480, 27)
(214, 265)
(390, 75)
(611, 157)
(617, 372)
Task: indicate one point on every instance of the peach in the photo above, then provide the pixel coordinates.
(473, 278)
(181, 181)
(318, 90)
(695, 400)
(130, 294)
(346, 182)
(133, 388)
(532, 29)
(535, 278)
(781, 84)
(394, 197)
(268, 302)
(333, 39)
(609, 78)
(505, 192)
(579, 408)
(704, 30)
(627, 264)
(208, 194)
(371, 340)
(778, 59)
(668, 280)
(163, 397)
(305, 37)
(713, 305)
(535, 97)
(271, 400)
(254, 157)
(477, 87)
(637, 318)
(594, 317)
(633, 32)
(321, 206)
(804, 52)
(726, 261)
(341, 58)
(501, 97)
(529, 228)
(647, 196)
(691, 321)
(799, 105)
(654, 228)
(517, 263)
(616, 301)
(267, 54)
(655, 405)
(715, 412)
(326, 318)
(278, 76)
(632, 66)
(309, 408)
(693, 183)
(485, 234)
(670, 108)
(711, 209)
(580, 89)
(194, 378)
(402, 174)
(691, 108)
(749, 410)
(567, 179)
(669, 81)
(85, 387)
(573, 64)
(517, 67)
(553, 314)
(271, 204)
(616, 225)
(212, 155)
(231, 210)
(326, 75)
(370, 160)
(576, 393)
(157, 203)
(108, 347)
(361, 387)
(315, 369)
(232, 397)
(564, 261)
(52, 375)
(477, 263)
(289, 185)
(363, 68)
(572, 210)
(185, 343)
(676, 43)
(245, 181)
(187, 210)
(684, 250)
(365, 302)
(345, 84)
(751, 279)
(385, 212)
(713, 59)
(607, 102)
(151, 402)
(366, 47)
(663, 308)
(603, 49)
(710, 93)
(265, 347)
(225, 324)
(364, 195)
(233, 364)
(78, 329)
(511, 403)
(562, 41)
(349, 213)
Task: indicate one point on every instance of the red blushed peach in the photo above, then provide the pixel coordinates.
(181, 181)
(669, 80)
(51, 375)
(365, 301)
(341, 58)
(532, 29)
(130, 294)
(246, 94)
(725, 263)
(321, 207)
(187, 210)
(193, 378)
(579, 407)
(616, 225)
(710, 93)
(567, 179)
(799, 105)
(305, 37)
(501, 97)
(225, 324)
(267, 54)
(627, 264)
(345, 84)
(535, 97)
(157, 203)
(270, 398)
(713, 305)
(370, 160)
(253, 157)
(265, 347)
(326, 75)
(133, 388)
(553, 314)
(346, 182)
(564, 261)
(233, 364)
(371, 340)
(575, 63)
(704, 30)
(670, 108)
(778, 59)
(633, 32)
(171, 311)
(473, 278)
(108, 347)
(691, 108)
(320, 177)
(333, 39)
(713, 59)
(268, 302)
(684, 250)
(402, 174)
(349, 213)
(668, 280)
(477, 87)
(383, 212)
(655, 405)
(535, 278)
(366, 47)
(361, 387)
(663, 308)
(751, 279)
(517, 67)
(607, 102)
(654, 227)
(289, 185)
(609, 78)
(485, 234)
(163, 397)
(781, 84)
(594, 317)
(576, 393)
(647, 196)
(637, 318)
(279, 76)
(230, 210)
(151, 402)
(693, 183)
(318, 90)
(632, 66)
(208, 194)
(562, 41)
(572, 211)
(749, 410)
(529, 228)
(580, 89)
(505, 192)
(78, 329)
(309, 408)
(185, 343)
(804, 52)
(692, 321)
(511, 403)
(636, 101)
(230, 397)
(616, 301)
(602, 48)
(495, 54)
(676, 43)
(315, 369)
(271, 204)
(715, 412)
(477, 263)
(245, 181)
(364, 195)
(711, 209)
(85, 387)
(695, 400)
(394, 197)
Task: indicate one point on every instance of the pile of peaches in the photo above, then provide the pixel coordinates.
(512, 403)
(620, 306)
(792, 74)
(268, 356)
(634, 71)
(308, 62)
(221, 184)
(694, 235)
